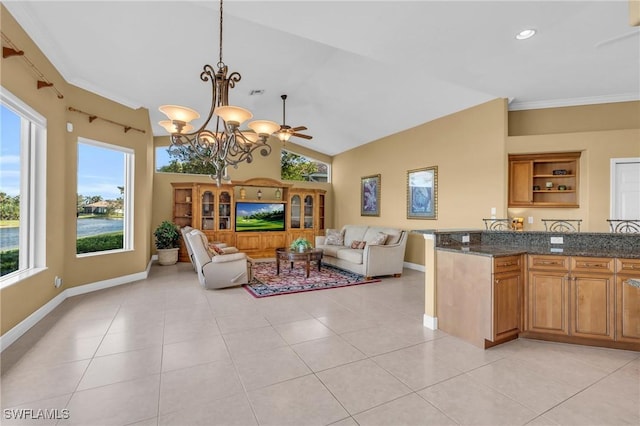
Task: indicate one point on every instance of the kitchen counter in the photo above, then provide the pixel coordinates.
(500, 251)
(508, 243)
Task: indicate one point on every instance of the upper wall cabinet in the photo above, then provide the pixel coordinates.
(544, 180)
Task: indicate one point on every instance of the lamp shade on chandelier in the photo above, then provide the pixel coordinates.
(225, 145)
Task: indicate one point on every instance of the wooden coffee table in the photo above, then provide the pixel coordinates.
(291, 256)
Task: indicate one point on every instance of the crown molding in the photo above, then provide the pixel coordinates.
(558, 103)
(83, 84)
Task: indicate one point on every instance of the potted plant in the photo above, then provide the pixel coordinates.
(300, 244)
(167, 242)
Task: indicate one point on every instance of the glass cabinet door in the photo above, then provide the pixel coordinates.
(308, 212)
(295, 211)
(208, 213)
(224, 210)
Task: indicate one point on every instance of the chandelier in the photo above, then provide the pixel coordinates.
(226, 145)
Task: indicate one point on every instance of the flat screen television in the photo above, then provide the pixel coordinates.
(259, 217)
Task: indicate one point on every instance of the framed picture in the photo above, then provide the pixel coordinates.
(422, 193)
(370, 196)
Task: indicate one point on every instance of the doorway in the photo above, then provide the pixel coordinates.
(625, 188)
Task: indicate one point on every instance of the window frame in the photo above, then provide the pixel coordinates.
(33, 186)
(127, 196)
(328, 165)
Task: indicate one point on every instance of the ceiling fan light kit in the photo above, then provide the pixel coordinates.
(227, 145)
(285, 132)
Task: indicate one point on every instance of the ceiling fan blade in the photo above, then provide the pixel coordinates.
(297, 129)
(300, 135)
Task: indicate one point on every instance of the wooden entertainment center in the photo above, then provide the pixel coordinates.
(212, 209)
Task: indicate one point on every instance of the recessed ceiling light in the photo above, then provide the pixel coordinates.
(525, 34)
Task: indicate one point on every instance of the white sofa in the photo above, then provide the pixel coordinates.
(372, 260)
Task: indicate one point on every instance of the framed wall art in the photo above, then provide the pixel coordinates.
(370, 196)
(422, 193)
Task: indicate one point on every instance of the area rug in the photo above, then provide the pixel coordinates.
(266, 283)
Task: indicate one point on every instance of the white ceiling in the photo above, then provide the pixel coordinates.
(355, 71)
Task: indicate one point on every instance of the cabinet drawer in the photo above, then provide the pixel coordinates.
(628, 266)
(593, 264)
(553, 263)
(507, 263)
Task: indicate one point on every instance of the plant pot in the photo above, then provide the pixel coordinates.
(168, 256)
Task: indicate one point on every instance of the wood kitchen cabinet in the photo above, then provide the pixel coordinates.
(529, 175)
(508, 290)
(480, 297)
(547, 295)
(628, 300)
(571, 296)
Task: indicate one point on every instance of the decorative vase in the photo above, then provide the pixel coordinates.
(243, 193)
(301, 249)
(278, 194)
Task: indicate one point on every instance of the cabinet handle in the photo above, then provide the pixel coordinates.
(508, 264)
(497, 281)
(549, 262)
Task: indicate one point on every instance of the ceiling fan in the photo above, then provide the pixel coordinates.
(286, 131)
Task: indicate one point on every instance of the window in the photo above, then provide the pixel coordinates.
(22, 182)
(166, 163)
(105, 198)
(298, 167)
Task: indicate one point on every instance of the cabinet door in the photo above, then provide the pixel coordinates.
(547, 302)
(308, 212)
(296, 212)
(520, 183)
(627, 309)
(207, 210)
(507, 300)
(592, 305)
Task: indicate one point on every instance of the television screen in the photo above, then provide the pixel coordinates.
(258, 217)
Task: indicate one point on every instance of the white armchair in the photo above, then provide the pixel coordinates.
(219, 271)
(185, 230)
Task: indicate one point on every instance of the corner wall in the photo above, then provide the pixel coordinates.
(469, 149)
(601, 132)
(22, 299)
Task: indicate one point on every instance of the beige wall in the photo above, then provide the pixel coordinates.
(20, 300)
(634, 12)
(598, 148)
(601, 132)
(469, 149)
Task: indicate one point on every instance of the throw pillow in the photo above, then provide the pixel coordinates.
(334, 238)
(358, 244)
(215, 249)
(378, 240)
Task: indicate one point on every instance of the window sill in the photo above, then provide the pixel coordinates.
(16, 277)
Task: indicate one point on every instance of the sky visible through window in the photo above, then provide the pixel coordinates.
(9, 152)
(100, 171)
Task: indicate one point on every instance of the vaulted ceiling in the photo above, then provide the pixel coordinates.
(354, 71)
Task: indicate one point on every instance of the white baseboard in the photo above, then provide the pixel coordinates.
(16, 332)
(414, 266)
(430, 322)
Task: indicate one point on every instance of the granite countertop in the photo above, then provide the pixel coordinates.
(500, 251)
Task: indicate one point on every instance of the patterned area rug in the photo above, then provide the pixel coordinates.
(266, 283)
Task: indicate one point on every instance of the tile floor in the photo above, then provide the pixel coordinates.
(163, 351)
